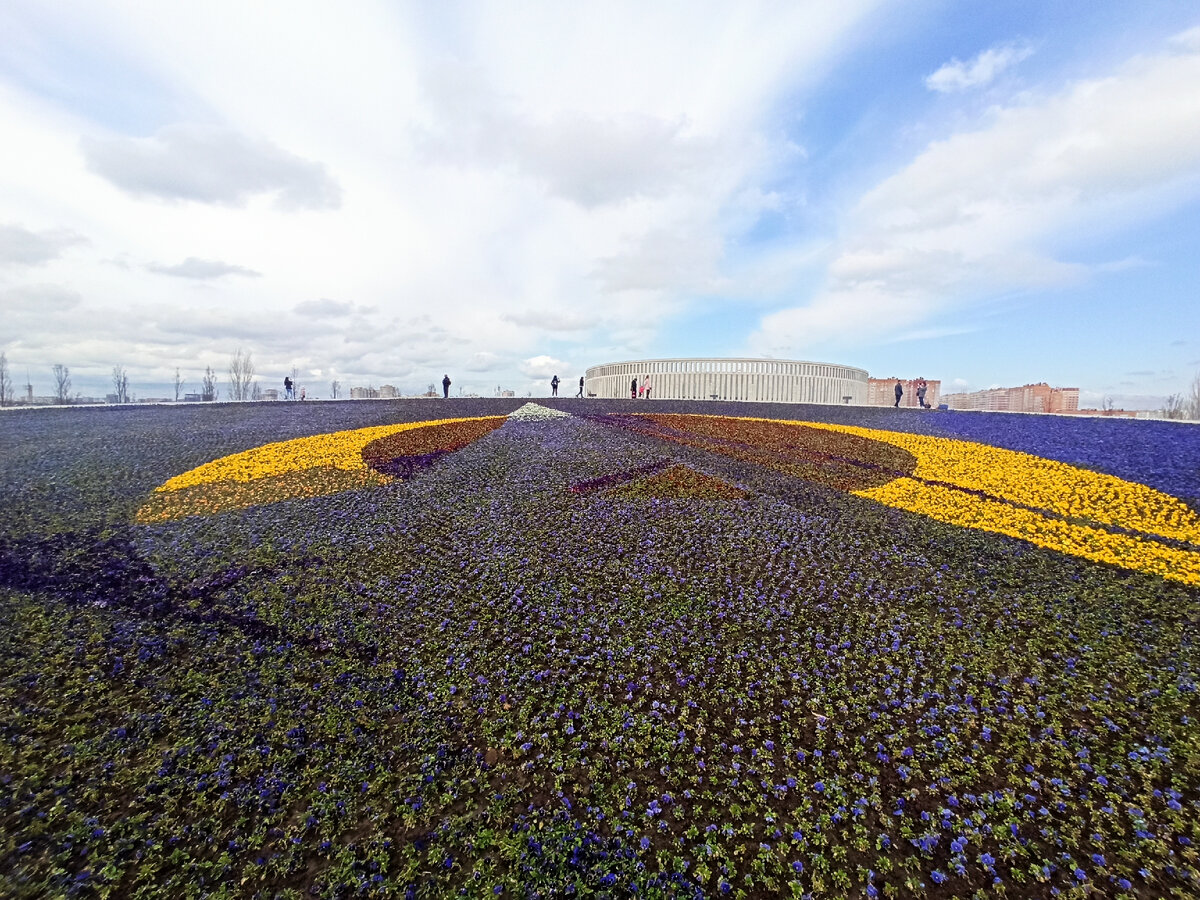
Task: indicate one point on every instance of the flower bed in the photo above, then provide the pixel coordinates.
(737, 661)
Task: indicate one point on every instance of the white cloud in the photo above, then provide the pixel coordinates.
(329, 309)
(956, 75)
(201, 269)
(973, 217)
(484, 361)
(209, 164)
(513, 173)
(22, 247)
(668, 258)
(572, 154)
(36, 300)
(1188, 40)
(546, 366)
(550, 320)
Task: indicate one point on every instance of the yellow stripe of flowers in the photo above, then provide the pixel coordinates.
(1041, 483)
(1044, 484)
(338, 450)
(957, 508)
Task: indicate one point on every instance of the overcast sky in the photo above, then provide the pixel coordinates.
(380, 192)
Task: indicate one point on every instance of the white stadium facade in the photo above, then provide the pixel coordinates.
(760, 380)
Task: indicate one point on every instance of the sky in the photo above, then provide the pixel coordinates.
(988, 194)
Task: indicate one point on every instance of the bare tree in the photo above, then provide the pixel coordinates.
(1173, 407)
(1192, 405)
(256, 392)
(208, 387)
(1107, 403)
(241, 375)
(62, 384)
(120, 380)
(6, 385)
(335, 389)
(178, 384)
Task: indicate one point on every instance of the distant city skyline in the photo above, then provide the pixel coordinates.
(987, 195)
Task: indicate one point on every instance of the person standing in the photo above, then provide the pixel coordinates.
(554, 386)
(287, 387)
(899, 393)
(445, 387)
(580, 394)
(922, 387)
(646, 386)
(633, 389)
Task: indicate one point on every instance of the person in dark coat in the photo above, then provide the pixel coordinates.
(445, 387)
(287, 387)
(899, 393)
(554, 386)
(580, 394)
(922, 387)
(633, 389)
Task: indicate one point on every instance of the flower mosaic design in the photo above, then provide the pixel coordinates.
(679, 482)
(311, 467)
(597, 654)
(1051, 504)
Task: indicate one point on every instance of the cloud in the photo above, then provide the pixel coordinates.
(212, 165)
(40, 299)
(542, 178)
(957, 76)
(972, 217)
(549, 320)
(544, 366)
(586, 159)
(666, 259)
(484, 361)
(201, 269)
(22, 247)
(326, 309)
(1188, 40)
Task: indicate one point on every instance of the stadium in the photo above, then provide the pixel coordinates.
(755, 380)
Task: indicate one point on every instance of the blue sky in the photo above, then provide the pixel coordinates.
(984, 193)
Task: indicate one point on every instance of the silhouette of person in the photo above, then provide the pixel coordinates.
(445, 387)
(554, 386)
(580, 394)
(899, 394)
(633, 389)
(287, 388)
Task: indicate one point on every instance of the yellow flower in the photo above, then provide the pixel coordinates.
(302, 467)
(1045, 502)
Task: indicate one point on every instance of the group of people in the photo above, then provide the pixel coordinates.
(554, 383)
(639, 390)
(921, 388)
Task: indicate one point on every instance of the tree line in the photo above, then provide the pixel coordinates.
(1184, 406)
(242, 384)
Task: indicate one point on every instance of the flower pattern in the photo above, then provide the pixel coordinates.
(596, 654)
